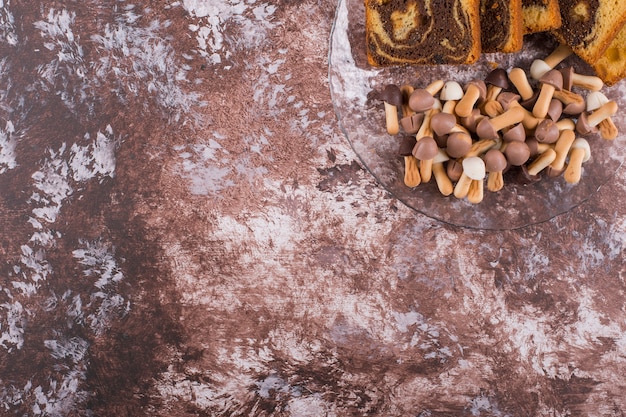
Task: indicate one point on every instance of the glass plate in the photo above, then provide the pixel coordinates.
(361, 118)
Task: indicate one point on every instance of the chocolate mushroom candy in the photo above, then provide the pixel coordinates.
(495, 164)
(551, 81)
(540, 66)
(561, 148)
(517, 153)
(412, 176)
(392, 97)
(489, 128)
(424, 151)
(439, 172)
(411, 124)
(579, 153)
(421, 100)
(470, 122)
(555, 109)
(587, 122)
(566, 123)
(518, 78)
(458, 144)
(473, 170)
(573, 103)
(450, 94)
(588, 82)
(547, 131)
(496, 81)
(475, 91)
(442, 123)
(607, 127)
(516, 133)
(508, 100)
(454, 169)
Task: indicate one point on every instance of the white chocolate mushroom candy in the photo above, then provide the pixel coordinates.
(473, 170)
(450, 94)
(540, 66)
(594, 101)
(580, 153)
(439, 172)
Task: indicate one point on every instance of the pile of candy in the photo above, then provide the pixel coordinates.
(460, 136)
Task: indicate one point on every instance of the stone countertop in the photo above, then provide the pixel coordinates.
(186, 231)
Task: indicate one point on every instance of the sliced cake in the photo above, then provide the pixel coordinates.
(589, 26)
(501, 25)
(422, 31)
(611, 66)
(540, 15)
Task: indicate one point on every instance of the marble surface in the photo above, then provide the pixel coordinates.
(186, 231)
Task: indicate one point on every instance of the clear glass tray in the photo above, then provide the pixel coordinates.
(361, 118)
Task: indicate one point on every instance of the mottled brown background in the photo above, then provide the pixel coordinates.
(186, 231)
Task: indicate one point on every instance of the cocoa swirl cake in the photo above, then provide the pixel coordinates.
(422, 32)
(540, 15)
(589, 26)
(501, 25)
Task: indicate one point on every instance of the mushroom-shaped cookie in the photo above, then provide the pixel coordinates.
(566, 124)
(442, 123)
(551, 81)
(509, 100)
(547, 131)
(541, 162)
(475, 91)
(473, 170)
(555, 109)
(425, 150)
(412, 176)
(579, 153)
(561, 148)
(517, 153)
(458, 144)
(573, 103)
(587, 122)
(439, 172)
(488, 128)
(470, 122)
(496, 81)
(450, 94)
(454, 169)
(516, 133)
(495, 163)
(518, 78)
(607, 127)
(588, 82)
(392, 97)
(421, 100)
(540, 66)
(411, 124)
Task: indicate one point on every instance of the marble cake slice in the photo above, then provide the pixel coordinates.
(589, 26)
(611, 65)
(501, 25)
(540, 15)
(422, 31)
